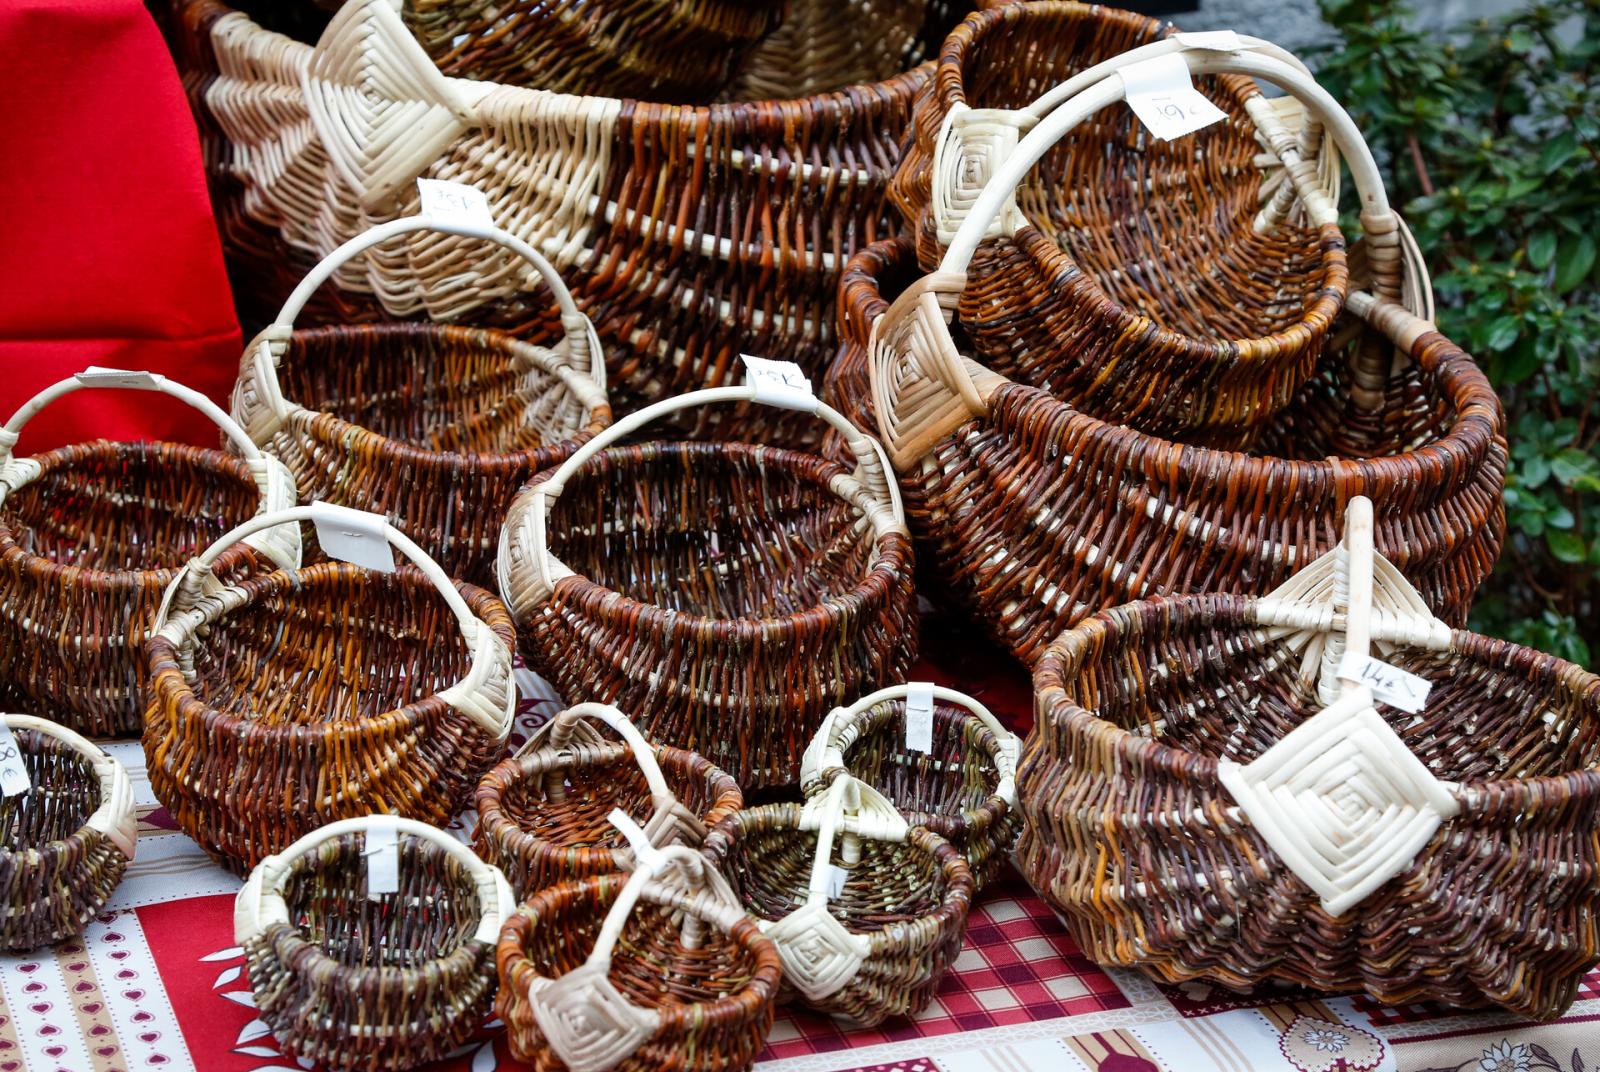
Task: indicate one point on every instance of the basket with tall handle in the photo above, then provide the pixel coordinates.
(287, 701)
(92, 534)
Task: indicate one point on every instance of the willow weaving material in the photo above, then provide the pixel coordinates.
(1035, 515)
(1129, 833)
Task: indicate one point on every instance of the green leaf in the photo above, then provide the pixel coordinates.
(1560, 518)
(1523, 187)
(1541, 249)
(1572, 464)
(1533, 472)
(1503, 332)
(1558, 151)
(1566, 546)
(1577, 257)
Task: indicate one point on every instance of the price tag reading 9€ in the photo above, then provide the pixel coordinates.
(1162, 95)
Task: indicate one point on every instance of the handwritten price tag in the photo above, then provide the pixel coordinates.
(455, 202)
(1389, 684)
(353, 536)
(383, 857)
(837, 877)
(96, 376)
(1162, 95)
(13, 773)
(1213, 40)
(779, 383)
(919, 717)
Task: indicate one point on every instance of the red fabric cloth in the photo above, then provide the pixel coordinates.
(109, 254)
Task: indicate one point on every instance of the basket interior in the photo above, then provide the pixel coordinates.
(722, 530)
(431, 387)
(345, 645)
(434, 910)
(591, 790)
(955, 778)
(65, 792)
(129, 506)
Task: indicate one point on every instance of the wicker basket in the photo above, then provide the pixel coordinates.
(352, 976)
(1209, 791)
(868, 943)
(287, 701)
(69, 835)
(543, 815)
(689, 234)
(962, 786)
(434, 425)
(91, 535)
(731, 594)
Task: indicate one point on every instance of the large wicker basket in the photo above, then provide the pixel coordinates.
(962, 785)
(69, 836)
(351, 976)
(287, 701)
(729, 594)
(544, 814)
(435, 425)
(1210, 791)
(92, 534)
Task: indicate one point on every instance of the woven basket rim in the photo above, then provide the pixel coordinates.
(1198, 769)
(84, 834)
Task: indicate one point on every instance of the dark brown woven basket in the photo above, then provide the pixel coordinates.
(543, 814)
(287, 701)
(352, 979)
(730, 594)
(1131, 833)
(436, 426)
(879, 946)
(962, 787)
(92, 534)
(68, 837)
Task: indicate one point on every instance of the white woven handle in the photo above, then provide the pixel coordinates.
(115, 816)
(850, 810)
(643, 753)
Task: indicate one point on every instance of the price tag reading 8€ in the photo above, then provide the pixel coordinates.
(13, 774)
(1161, 94)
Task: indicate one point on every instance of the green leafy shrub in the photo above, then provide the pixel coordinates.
(1489, 136)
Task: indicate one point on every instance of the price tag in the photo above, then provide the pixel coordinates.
(383, 856)
(13, 773)
(1389, 684)
(96, 376)
(353, 536)
(1213, 40)
(779, 383)
(837, 877)
(919, 717)
(1162, 95)
(455, 203)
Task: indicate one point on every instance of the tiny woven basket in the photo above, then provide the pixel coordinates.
(730, 594)
(660, 969)
(92, 534)
(543, 814)
(435, 425)
(962, 785)
(352, 976)
(68, 835)
(285, 702)
(1211, 790)
(865, 933)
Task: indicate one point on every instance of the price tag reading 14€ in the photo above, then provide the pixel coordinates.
(1389, 684)
(13, 774)
(1162, 95)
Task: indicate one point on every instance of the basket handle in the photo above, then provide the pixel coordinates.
(115, 816)
(558, 731)
(1354, 577)
(696, 874)
(850, 810)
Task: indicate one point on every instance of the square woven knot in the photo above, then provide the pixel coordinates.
(588, 1022)
(974, 144)
(819, 956)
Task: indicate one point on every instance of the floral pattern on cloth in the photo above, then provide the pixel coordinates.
(1509, 1056)
(1315, 1045)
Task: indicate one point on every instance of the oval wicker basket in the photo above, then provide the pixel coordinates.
(92, 534)
(284, 702)
(1191, 812)
(729, 593)
(357, 979)
(436, 426)
(634, 973)
(864, 945)
(962, 786)
(543, 814)
(69, 836)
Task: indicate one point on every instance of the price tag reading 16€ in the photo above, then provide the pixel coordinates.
(1164, 98)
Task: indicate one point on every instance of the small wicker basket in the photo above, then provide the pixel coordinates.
(69, 835)
(92, 534)
(867, 939)
(432, 424)
(958, 781)
(287, 701)
(728, 593)
(1212, 790)
(660, 969)
(543, 814)
(353, 976)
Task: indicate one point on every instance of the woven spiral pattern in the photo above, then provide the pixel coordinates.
(87, 547)
(393, 980)
(55, 872)
(1130, 834)
(313, 697)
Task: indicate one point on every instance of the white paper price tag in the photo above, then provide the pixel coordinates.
(455, 203)
(645, 855)
(96, 376)
(383, 856)
(837, 877)
(919, 717)
(353, 536)
(1389, 684)
(779, 383)
(1213, 40)
(13, 773)
(1162, 95)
